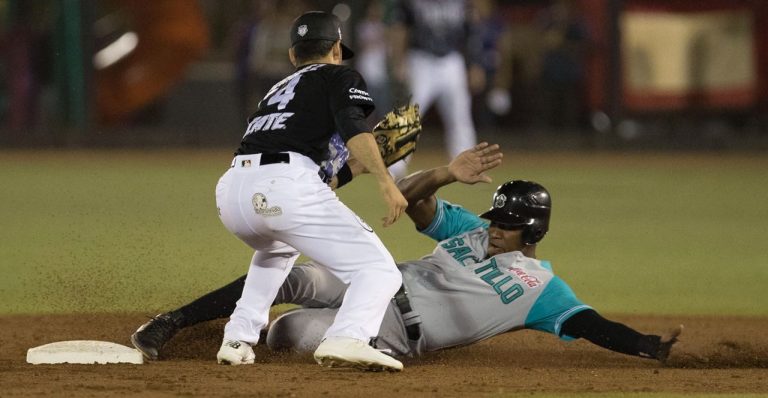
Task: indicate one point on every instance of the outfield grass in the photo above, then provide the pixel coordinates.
(86, 231)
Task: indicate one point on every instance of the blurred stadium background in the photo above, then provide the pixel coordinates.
(659, 74)
(110, 218)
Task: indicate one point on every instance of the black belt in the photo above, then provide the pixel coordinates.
(280, 157)
(272, 158)
(411, 319)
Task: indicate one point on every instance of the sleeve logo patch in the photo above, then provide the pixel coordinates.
(358, 94)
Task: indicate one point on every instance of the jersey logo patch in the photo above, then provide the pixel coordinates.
(529, 280)
(261, 207)
(302, 30)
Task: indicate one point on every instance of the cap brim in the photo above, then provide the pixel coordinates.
(346, 53)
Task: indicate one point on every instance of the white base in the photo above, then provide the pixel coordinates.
(84, 352)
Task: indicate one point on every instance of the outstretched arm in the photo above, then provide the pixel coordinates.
(618, 337)
(468, 167)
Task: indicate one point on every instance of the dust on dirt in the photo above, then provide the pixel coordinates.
(714, 355)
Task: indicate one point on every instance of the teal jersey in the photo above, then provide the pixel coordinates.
(481, 297)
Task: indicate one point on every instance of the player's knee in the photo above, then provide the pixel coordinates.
(298, 330)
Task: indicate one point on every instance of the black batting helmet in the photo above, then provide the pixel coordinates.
(523, 204)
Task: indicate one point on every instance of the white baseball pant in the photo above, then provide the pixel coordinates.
(282, 209)
(442, 80)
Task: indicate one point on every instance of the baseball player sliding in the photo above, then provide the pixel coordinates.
(273, 200)
(481, 280)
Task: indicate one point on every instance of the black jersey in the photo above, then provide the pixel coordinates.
(301, 112)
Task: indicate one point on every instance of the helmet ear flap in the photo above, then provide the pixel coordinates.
(528, 235)
(533, 233)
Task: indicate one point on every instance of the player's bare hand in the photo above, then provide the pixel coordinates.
(396, 204)
(470, 166)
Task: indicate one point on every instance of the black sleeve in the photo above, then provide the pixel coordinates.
(614, 336)
(350, 103)
(351, 121)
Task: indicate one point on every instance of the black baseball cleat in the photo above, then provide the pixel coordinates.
(152, 336)
(666, 343)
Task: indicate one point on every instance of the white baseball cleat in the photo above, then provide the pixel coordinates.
(233, 352)
(346, 352)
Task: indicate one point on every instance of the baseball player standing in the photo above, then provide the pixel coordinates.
(480, 281)
(428, 40)
(273, 199)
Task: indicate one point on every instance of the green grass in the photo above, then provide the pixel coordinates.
(85, 231)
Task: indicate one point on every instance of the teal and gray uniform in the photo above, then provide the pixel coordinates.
(451, 297)
(456, 294)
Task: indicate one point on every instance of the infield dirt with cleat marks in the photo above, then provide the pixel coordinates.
(716, 355)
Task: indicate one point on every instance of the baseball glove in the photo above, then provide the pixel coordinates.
(397, 133)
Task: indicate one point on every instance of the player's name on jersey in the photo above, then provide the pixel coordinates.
(272, 121)
(488, 270)
(359, 95)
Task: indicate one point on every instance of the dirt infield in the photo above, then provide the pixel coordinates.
(716, 355)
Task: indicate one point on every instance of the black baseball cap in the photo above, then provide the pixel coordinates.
(318, 25)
